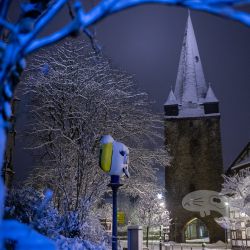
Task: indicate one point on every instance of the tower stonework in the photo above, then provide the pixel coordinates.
(192, 132)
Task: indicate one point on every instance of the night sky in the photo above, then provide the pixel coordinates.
(146, 41)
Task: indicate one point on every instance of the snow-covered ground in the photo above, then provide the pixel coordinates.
(154, 245)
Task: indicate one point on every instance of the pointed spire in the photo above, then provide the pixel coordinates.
(190, 83)
(171, 99)
(210, 96)
(191, 97)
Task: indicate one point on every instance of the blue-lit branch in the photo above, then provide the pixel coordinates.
(223, 8)
(4, 7)
(22, 40)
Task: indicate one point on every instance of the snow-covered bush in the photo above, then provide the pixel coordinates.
(33, 208)
(74, 228)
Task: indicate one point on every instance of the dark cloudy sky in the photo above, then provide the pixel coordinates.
(146, 41)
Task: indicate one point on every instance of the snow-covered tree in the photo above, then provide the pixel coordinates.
(75, 99)
(236, 189)
(151, 211)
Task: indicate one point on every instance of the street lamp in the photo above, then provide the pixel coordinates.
(114, 160)
(161, 204)
(228, 216)
(159, 196)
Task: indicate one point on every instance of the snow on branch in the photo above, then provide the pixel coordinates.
(236, 189)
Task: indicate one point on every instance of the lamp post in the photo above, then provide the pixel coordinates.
(159, 196)
(226, 230)
(114, 184)
(160, 245)
(114, 160)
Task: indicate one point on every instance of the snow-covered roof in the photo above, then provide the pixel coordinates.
(210, 97)
(190, 83)
(242, 161)
(171, 99)
(245, 162)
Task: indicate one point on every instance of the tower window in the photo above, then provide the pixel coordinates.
(171, 110)
(211, 108)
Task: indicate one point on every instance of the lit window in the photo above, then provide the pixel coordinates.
(234, 235)
(244, 235)
(248, 232)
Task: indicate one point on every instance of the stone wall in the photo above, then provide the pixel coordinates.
(195, 145)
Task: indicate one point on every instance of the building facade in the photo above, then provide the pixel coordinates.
(192, 132)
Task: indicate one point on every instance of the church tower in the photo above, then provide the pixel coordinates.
(192, 132)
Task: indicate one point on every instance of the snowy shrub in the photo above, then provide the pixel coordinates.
(33, 208)
(68, 229)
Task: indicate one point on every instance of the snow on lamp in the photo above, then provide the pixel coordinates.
(114, 157)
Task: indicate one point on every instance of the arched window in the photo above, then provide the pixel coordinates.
(196, 231)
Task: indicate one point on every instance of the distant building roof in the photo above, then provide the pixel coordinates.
(242, 161)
